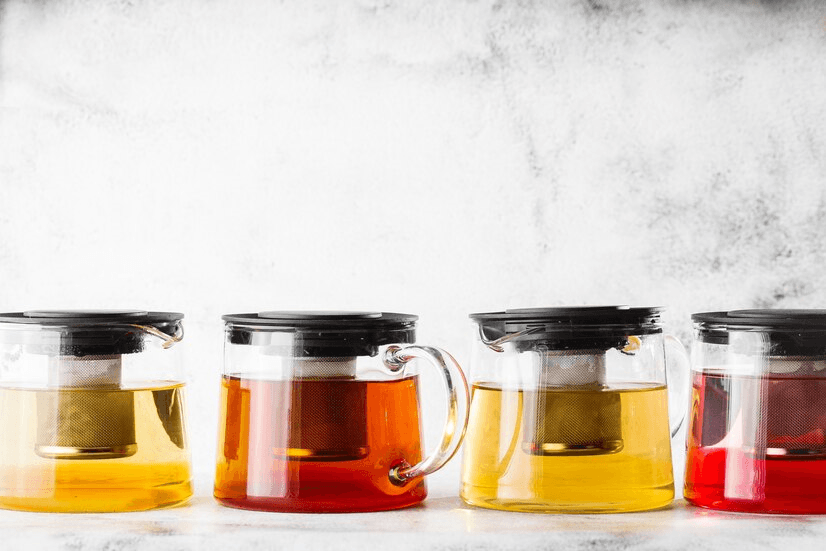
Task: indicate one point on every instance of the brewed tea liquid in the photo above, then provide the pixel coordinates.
(757, 444)
(147, 423)
(317, 445)
(568, 450)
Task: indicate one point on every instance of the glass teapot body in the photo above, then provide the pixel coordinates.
(757, 431)
(316, 416)
(569, 411)
(92, 402)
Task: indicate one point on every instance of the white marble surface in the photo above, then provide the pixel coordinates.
(443, 523)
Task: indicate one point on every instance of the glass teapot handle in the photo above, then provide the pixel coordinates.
(395, 358)
(677, 376)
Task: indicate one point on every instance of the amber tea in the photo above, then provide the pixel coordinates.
(321, 444)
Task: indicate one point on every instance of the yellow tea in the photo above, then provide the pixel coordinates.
(584, 449)
(93, 449)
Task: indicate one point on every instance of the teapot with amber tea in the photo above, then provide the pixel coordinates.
(320, 412)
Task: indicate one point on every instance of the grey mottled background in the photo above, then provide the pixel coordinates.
(432, 157)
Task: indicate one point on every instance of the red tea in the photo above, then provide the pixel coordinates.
(757, 444)
(317, 444)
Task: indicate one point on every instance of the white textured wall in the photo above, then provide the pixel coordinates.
(431, 157)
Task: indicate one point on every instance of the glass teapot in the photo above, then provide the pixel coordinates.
(757, 435)
(91, 402)
(570, 409)
(320, 412)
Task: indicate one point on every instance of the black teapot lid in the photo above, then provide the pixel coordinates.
(788, 332)
(321, 333)
(568, 327)
(86, 332)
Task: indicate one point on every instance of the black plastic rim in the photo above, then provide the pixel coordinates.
(570, 317)
(569, 327)
(792, 320)
(787, 332)
(323, 333)
(85, 332)
(328, 319)
(81, 318)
